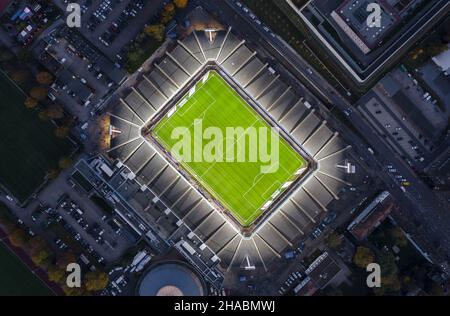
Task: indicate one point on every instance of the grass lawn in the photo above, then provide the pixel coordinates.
(28, 146)
(241, 186)
(16, 279)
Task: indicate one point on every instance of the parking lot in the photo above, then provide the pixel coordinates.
(111, 24)
(80, 224)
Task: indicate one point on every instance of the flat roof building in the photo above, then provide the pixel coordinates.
(352, 18)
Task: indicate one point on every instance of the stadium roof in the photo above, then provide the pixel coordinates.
(300, 212)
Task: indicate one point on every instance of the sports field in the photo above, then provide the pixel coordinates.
(16, 278)
(240, 186)
(28, 146)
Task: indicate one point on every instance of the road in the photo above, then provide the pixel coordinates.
(413, 30)
(419, 200)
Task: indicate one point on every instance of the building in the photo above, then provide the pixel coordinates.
(172, 278)
(318, 275)
(360, 50)
(443, 60)
(351, 16)
(372, 216)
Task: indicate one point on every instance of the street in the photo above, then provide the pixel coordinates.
(419, 199)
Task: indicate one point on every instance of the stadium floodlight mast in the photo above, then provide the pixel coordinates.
(248, 266)
(210, 33)
(348, 167)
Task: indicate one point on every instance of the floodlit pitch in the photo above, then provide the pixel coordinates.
(243, 186)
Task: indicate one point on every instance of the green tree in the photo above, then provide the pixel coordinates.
(168, 13)
(73, 291)
(390, 279)
(334, 240)
(363, 257)
(41, 257)
(96, 281)
(65, 163)
(398, 236)
(56, 274)
(155, 31)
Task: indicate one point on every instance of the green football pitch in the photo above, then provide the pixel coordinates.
(16, 279)
(28, 146)
(240, 186)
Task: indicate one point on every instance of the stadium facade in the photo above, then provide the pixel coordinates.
(294, 216)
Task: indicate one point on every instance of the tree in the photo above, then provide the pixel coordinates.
(390, 280)
(52, 173)
(398, 236)
(56, 274)
(54, 111)
(334, 240)
(65, 259)
(37, 243)
(96, 281)
(39, 93)
(180, 4)
(30, 103)
(168, 13)
(44, 78)
(20, 76)
(68, 121)
(155, 31)
(65, 163)
(43, 116)
(17, 237)
(73, 291)
(62, 132)
(363, 257)
(41, 257)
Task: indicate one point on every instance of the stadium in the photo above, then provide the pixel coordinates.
(318, 165)
(239, 189)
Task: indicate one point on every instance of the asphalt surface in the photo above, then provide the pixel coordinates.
(419, 200)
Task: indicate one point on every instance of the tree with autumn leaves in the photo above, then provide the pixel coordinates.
(363, 257)
(180, 4)
(39, 93)
(17, 237)
(168, 13)
(155, 31)
(96, 280)
(44, 78)
(30, 103)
